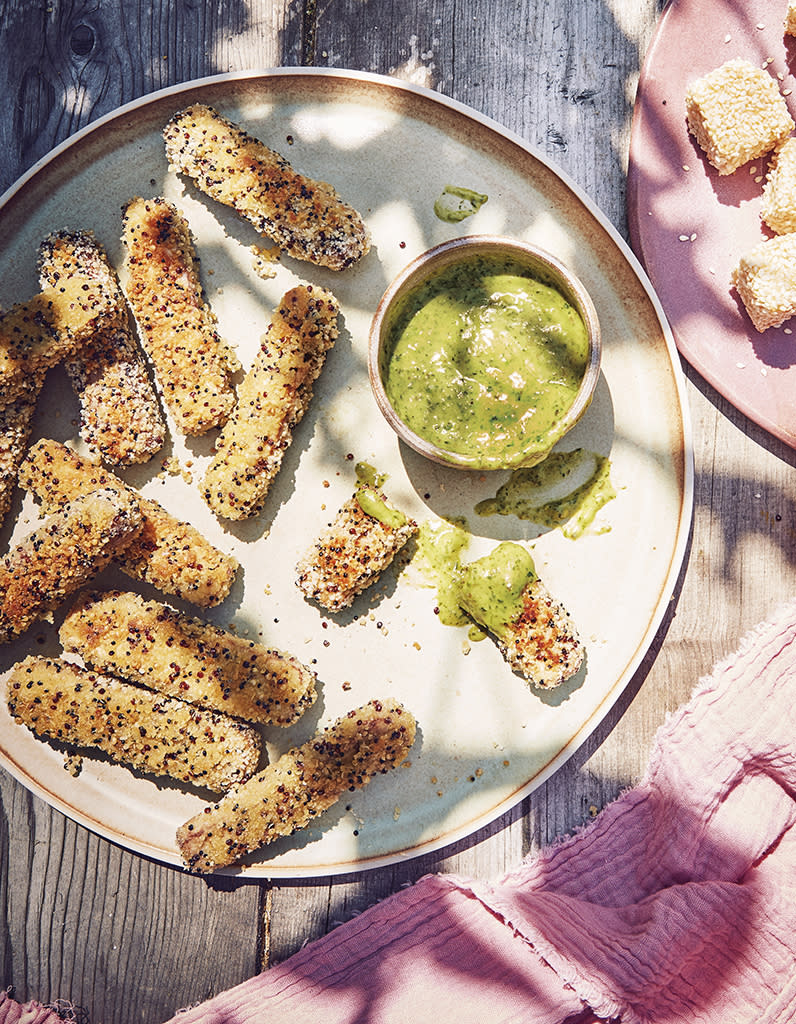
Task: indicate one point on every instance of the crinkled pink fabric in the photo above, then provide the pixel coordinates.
(677, 904)
(12, 1012)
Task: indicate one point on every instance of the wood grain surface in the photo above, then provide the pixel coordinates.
(129, 940)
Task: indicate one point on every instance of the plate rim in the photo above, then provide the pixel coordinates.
(669, 582)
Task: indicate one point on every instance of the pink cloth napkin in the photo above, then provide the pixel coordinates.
(677, 904)
(12, 1012)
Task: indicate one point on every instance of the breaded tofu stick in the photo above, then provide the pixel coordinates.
(171, 555)
(143, 730)
(39, 333)
(300, 785)
(272, 398)
(534, 632)
(120, 418)
(354, 550)
(305, 218)
(62, 554)
(149, 643)
(16, 424)
(192, 364)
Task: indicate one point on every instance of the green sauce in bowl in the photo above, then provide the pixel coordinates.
(484, 359)
(484, 352)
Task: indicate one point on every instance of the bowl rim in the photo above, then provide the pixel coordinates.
(441, 256)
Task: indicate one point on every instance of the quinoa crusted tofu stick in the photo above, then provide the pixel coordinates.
(534, 633)
(149, 643)
(143, 730)
(37, 334)
(120, 418)
(169, 554)
(299, 786)
(272, 398)
(354, 550)
(305, 218)
(62, 554)
(192, 364)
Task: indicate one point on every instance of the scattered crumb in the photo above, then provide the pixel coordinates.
(264, 261)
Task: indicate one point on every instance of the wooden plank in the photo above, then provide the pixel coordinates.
(86, 920)
(68, 63)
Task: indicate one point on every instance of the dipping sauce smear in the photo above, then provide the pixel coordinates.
(484, 359)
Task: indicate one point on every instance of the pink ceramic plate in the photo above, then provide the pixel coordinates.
(689, 225)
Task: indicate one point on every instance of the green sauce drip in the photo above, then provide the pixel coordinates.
(373, 504)
(456, 203)
(368, 475)
(488, 590)
(568, 489)
(492, 587)
(484, 360)
(439, 548)
(371, 501)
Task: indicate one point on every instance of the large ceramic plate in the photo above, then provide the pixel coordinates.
(485, 739)
(690, 226)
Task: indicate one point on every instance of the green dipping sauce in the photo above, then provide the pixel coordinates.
(492, 587)
(455, 203)
(484, 359)
(568, 489)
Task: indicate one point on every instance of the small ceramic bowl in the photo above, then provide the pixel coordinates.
(538, 263)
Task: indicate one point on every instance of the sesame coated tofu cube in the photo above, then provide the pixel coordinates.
(736, 113)
(766, 281)
(779, 192)
(790, 19)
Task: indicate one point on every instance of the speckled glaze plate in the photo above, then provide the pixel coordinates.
(485, 740)
(690, 226)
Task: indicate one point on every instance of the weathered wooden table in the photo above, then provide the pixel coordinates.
(129, 939)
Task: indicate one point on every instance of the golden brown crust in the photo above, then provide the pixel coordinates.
(133, 726)
(304, 217)
(171, 555)
(349, 556)
(149, 643)
(272, 399)
(39, 333)
(299, 786)
(120, 418)
(62, 554)
(542, 645)
(178, 329)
